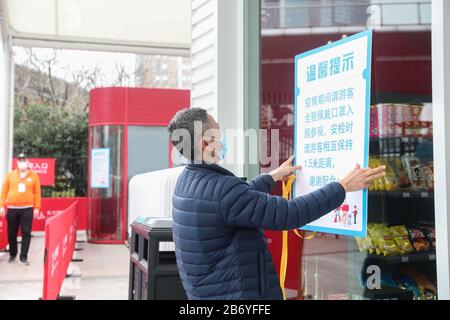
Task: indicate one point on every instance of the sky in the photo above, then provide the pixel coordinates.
(77, 60)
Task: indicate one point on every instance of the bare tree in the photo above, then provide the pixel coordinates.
(123, 77)
(36, 81)
(45, 89)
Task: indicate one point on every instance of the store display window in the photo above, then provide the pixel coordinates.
(397, 260)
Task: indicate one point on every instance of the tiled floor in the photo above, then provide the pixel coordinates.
(104, 273)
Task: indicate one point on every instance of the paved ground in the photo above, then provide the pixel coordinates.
(104, 273)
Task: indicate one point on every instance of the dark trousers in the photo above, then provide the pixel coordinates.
(24, 219)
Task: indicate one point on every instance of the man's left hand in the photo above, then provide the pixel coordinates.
(285, 170)
(35, 213)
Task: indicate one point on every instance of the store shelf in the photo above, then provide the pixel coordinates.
(403, 139)
(407, 258)
(404, 194)
(402, 98)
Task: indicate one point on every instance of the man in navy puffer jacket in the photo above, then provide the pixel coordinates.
(218, 218)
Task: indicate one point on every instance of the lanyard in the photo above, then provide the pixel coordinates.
(287, 194)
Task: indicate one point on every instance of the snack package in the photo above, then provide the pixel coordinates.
(365, 245)
(398, 126)
(400, 176)
(390, 120)
(427, 289)
(382, 239)
(428, 173)
(383, 120)
(406, 282)
(430, 234)
(424, 289)
(408, 129)
(416, 112)
(413, 167)
(378, 184)
(401, 238)
(418, 239)
(407, 112)
(389, 180)
(374, 131)
(417, 129)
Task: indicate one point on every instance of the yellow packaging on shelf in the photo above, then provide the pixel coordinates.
(378, 184)
(365, 245)
(382, 239)
(401, 238)
(389, 179)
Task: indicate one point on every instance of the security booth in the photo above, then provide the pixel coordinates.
(127, 136)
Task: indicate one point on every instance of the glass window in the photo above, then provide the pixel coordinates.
(398, 257)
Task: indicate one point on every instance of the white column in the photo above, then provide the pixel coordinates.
(230, 72)
(219, 66)
(5, 105)
(441, 124)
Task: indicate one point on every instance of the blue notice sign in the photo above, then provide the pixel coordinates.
(332, 110)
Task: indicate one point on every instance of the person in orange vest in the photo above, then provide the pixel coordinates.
(21, 194)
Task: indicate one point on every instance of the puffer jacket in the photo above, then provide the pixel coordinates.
(218, 222)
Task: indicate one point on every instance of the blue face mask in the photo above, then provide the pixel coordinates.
(223, 153)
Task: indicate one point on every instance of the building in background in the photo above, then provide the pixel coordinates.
(160, 71)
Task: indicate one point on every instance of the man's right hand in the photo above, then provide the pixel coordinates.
(360, 179)
(2, 212)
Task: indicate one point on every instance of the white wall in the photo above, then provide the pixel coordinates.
(5, 91)
(204, 55)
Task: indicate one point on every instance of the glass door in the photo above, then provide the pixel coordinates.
(106, 195)
(397, 260)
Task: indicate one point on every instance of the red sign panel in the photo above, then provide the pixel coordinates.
(44, 167)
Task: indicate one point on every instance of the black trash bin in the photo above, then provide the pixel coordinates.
(153, 273)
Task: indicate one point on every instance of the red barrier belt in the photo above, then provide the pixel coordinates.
(60, 240)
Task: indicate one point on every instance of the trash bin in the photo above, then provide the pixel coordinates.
(153, 272)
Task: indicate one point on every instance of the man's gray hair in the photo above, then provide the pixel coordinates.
(183, 126)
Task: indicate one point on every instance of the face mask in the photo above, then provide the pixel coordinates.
(22, 165)
(223, 153)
